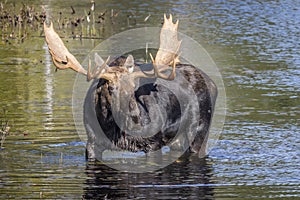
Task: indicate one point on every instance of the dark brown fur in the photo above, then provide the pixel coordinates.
(204, 89)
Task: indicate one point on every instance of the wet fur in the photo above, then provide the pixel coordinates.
(203, 87)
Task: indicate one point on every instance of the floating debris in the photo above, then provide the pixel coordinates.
(146, 18)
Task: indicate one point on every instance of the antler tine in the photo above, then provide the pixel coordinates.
(61, 57)
(89, 75)
(158, 73)
(167, 53)
(97, 71)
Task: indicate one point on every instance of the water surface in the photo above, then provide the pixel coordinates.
(256, 46)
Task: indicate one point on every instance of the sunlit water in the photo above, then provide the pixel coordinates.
(256, 46)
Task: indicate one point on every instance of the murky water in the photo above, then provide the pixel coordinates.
(256, 45)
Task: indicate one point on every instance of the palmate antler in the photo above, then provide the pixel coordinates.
(61, 57)
(169, 44)
(167, 53)
(166, 56)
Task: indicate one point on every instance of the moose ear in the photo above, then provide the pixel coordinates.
(129, 63)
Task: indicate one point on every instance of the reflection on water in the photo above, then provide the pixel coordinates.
(48, 86)
(255, 44)
(188, 178)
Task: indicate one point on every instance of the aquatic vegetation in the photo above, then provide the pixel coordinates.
(20, 21)
(4, 132)
(17, 20)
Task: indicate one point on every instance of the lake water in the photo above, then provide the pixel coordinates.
(255, 44)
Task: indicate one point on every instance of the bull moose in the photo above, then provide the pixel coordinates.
(136, 115)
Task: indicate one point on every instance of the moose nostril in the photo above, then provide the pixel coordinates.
(135, 119)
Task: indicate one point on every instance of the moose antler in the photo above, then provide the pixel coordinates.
(100, 67)
(166, 56)
(169, 44)
(61, 57)
(167, 53)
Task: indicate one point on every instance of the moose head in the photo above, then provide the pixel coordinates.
(117, 86)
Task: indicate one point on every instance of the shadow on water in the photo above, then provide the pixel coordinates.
(188, 178)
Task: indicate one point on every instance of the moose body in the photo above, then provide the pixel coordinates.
(130, 107)
(152, 97)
